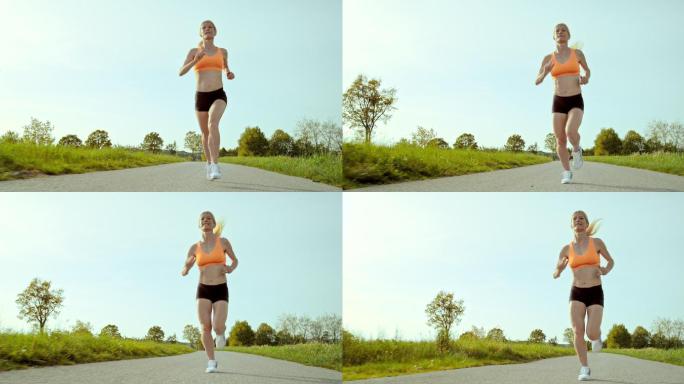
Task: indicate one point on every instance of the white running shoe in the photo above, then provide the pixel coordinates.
(217, 171)
(596, 345)
(208, 171)
(212, 172)
(577, 160)
(585, 374)
(212, 366)
(566, 177)
(220, 341)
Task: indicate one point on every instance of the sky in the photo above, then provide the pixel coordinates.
(466, 66)
(114, 65)
(118, 256)
(497, 252)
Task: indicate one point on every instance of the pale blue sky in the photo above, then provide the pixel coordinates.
(118, 256)
(497, 252)
(114, 65)
(463, 66)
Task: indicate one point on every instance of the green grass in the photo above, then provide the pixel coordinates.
(19, 350)
(322, 168)
(317, 355)
(23, 160)
(373, 164)
(660, 162)
(670, 356)
(381, 358)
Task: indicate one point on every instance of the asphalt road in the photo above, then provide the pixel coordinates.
(592, 177)
(605, 368)
(176, 177)
(234, 368)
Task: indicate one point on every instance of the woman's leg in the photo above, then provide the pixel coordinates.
(204, 314)
(577, 312)
(559, 122)
(594, 318)
(572, 127)
(203, 119)
(215, 112)
(220, 317)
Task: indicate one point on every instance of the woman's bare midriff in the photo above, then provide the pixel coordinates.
(208, 81)
(212, 274)
(586, 277)
(567, 86)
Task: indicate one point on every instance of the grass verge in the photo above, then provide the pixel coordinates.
(317, 355)
(660, 162)
(21, 160)
(670, 356)
(322, 168)
(19, 350)
(372, 164)
(381, 358)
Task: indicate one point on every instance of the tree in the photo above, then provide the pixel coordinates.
(39, 133)
(468, 335)
(37, 302)
(280, 144)
(633, 143)
(98, 139)
(496, 334)
(364, 104)
(171, 148)
(241, 334)
(172, 339)
(265, 335)
(155, 334)
(569, 336)
(332, 136)
(70, 141)
(670, 135)
(537, 336)
(671, 332)
(332, 324)
(515, 143)
(534, 148)
(10, 137)
(640, 337)
(618, 337)
(607, 143)
(152, 142)
(442, 312)
(110, 330)
(465, 141)
(422, 136)
(193, 142)
(193, 336)
(284, 338)
(550, 142)
(252, 142)
(438, 142)
(289, 324)
(82, 328)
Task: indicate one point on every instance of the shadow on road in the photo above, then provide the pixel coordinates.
(626, 188)
(296, 379)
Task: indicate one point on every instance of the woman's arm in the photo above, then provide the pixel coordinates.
(562, 262)
(190, 60)
(228, 249)
(583, 62)
(189, 260)
(546, 66)
(603, 251)
(230, 75)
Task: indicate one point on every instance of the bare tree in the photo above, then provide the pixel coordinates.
(364, 104)
(37, 302)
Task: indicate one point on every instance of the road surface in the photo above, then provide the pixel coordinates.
(176, 177)
(234, 368)
(592, 177)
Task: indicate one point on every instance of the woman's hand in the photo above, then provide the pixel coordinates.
(184, 272)
(230, 75)
(562, 263)
(227, 269)
(200, 54)
(584, 80)
(603, 271)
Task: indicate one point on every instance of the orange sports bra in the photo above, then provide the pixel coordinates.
(569, 68)
(590, 257)
(216, 256)
(214, 62)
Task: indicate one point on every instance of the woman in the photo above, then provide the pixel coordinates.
(212, 291)
(210, 100)
(586, 294)
(568, 105)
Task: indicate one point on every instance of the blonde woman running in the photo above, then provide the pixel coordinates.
(568, 105)
(210, 100)
(586, 294)
(212, 291)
